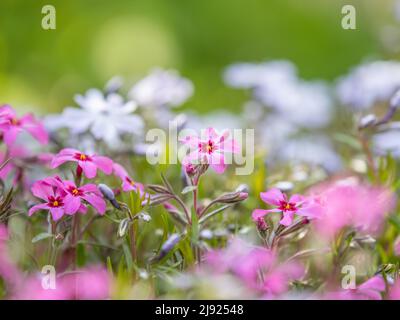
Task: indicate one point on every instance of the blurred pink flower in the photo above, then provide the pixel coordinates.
(394, 292)
(8, 270)
(91, 283)
(210, 150)
(127, 183)
(297, 204)
(17, 156)
(11, 126)
(88, 163)
(257, 267)
(369, 290)
(353, 205)
(74, 196)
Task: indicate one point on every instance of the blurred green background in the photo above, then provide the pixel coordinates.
(41, 70)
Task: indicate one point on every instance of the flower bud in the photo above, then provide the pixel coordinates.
(108, 194)
(168, 246)
(261, 224)
(367, 121)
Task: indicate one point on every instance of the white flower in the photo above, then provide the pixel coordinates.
(368, 84)
(160, 88)
(315, 151)
(251, 75)
(305, 104)
(387, 142)
(106, 117)
(276, 85)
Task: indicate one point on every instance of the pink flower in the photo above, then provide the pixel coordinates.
(11, 126)
(64, 197)
(257, 267)
(88, 163)
(91, 283)
(17, 155)
(394, 292)
(8, 269)
(75, 195)
(127, 182)
(297, 204)
(369, 290)
(54, 199)
(353, 205)
(211, 149)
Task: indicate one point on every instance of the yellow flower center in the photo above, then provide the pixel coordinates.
(55, 203)
(75, 192)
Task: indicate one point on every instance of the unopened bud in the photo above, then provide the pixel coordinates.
(367, 121)
(108, 194)
(261, 224)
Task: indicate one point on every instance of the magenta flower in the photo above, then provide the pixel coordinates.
(297, 204)
(127, 182)
(75, 197)
(11, 126)
(87, 163)
(211, 149)
(53, 198)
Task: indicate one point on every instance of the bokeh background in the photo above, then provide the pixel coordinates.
(41, 70)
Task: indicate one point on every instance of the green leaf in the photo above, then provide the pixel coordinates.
(109, 266)
(128, 257)
(41, 236)
(189, 189)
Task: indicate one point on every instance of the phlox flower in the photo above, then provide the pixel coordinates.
(257, 267)
(11, 126)
(87, 163)
(53, 198)
(369, 290)
(161, 88)
(347, 203)
(210, 149)
(369, 84)
(296, 204)
(76, 196)
(106, 117)
(63, 197)
(128, 184)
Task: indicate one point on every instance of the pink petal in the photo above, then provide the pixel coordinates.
(211, 134)
(97, 202)
(71, 204)
(217, 162)
(259, 213)
(89, 168)
(42, 190)
(273, 196)
(11, 134)
(42, 206)
(296, 198)
(57, 213)
(119, 171)
(104, 164)
(35, 128)
(287, 218)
